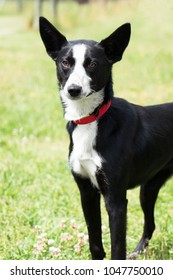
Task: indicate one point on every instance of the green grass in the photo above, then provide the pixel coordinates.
(36, 188)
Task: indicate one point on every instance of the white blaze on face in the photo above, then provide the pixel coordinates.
(79, 76)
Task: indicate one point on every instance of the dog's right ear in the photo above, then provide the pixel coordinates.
(52, 38)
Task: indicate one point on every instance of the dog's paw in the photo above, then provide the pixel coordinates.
(133, 256)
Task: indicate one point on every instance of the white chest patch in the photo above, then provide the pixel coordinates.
(84, 160)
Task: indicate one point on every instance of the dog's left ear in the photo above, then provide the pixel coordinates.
(116, 43)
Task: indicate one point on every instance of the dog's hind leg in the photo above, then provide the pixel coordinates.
(148, 197)
(90, 200)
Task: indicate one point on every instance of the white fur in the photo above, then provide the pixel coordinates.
(77, 109)
(79, 76)
(84, 160)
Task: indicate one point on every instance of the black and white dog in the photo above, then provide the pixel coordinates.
(114, 145)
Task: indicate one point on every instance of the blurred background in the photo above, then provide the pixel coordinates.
(36, 188)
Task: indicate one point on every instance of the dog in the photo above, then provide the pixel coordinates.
(114, 145)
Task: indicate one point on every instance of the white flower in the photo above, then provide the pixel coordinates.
(77, 248)
(104, 229)
(80, 235)
(37, 227)
(50, 241)
(42, 237)
(55, 251)
(82, 239)
(25, 140)
(74, 224)
(15, 132)
(38, 248)
(62, 223)
(85, 238)
(66, 236)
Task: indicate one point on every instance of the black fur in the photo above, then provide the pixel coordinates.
(135, 142)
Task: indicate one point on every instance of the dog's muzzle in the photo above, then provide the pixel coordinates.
(92, 91)
(75, 92)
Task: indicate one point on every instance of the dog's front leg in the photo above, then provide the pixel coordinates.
(90, 199)
(117, 211)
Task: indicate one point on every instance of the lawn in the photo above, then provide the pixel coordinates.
(40, 212)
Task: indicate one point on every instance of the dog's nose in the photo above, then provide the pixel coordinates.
(74, 90)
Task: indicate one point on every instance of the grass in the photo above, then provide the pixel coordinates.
(36, 188)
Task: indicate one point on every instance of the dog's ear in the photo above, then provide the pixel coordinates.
(116, 43)
(52, 38)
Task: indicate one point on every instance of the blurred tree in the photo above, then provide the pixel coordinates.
(54, 9)
(39, 7)
(83, 1)
(103, 1)
(2, 2)
(19, 5)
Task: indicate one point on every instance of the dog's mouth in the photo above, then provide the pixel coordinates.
(75, 98)
(90, 93)
(81, 96)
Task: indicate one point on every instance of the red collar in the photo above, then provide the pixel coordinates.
(93, 117)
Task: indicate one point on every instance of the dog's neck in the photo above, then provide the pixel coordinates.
(95, 116)
(78, 109)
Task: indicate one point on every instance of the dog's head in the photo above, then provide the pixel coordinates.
(83, 66)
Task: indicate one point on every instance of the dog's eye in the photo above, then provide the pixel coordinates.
(65, 64)
(92, 65)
